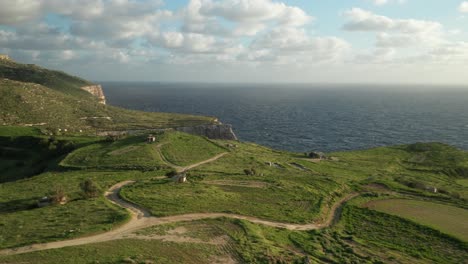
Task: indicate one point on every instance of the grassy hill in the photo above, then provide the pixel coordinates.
(53, 100)
(30, 73)
(279, 190)
(409, 205)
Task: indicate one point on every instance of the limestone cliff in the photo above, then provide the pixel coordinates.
(97, 91)
(219, 131)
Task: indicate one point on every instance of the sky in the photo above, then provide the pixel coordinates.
(243, 41)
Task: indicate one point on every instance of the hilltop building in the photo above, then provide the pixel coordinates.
(4, 57)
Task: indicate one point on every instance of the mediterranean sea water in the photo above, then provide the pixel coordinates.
(301, 117)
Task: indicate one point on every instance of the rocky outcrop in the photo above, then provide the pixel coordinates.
(219, 131)
(4, 57)
(97, 91)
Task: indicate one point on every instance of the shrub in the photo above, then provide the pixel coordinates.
(251, 171)
(90, 189)
(57, 195)
(171, 173)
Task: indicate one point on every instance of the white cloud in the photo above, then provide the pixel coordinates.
(463, 8)
(363, 20)
(249, 17)
(395, 32)
(384, 2)
(15, 12)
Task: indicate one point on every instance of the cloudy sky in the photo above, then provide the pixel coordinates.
(352, 41)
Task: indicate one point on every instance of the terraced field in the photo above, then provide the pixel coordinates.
(448, 219)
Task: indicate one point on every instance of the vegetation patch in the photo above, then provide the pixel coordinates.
(376, 229)
(448, 219)
(23, 223)
(128, 153)
(183, 149)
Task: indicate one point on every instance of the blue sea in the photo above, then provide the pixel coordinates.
(301, 117)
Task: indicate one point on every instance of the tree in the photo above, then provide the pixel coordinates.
(90, 188)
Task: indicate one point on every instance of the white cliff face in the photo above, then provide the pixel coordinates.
(97, 91)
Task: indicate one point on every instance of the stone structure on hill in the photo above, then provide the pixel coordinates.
(4, 57)
(97, 91)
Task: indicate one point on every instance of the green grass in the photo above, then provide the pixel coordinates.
(129, 153)
(463, 182)
(448, 219)
(123, 251)
(56, 80)
(22, 223)
(383, 232)
(29, 103)
(183, 149)
(23, 156)
(287, 194)
(15, 131)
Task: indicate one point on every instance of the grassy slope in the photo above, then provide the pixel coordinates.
(28, 103)
(23, 223)
(33, 95)
(130, 153)
(287, 194)
(251, 243)
(122, 251)
(56, 80)
(133, 152)
(25, 156)
(448, 219)
(378, 230)
(183, 149)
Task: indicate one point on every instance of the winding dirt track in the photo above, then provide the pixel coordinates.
(141, 218)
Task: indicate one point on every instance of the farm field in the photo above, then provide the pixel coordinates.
(448, 219)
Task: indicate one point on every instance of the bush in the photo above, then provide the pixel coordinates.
(90, 189)
(57, 195)
(171, 174)
(251, 171)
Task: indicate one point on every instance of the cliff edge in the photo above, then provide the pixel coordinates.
(97, 91)
(219, 131)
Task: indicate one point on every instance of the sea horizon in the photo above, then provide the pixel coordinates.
(307, 117)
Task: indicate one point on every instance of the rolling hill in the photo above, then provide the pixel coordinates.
(53, 100)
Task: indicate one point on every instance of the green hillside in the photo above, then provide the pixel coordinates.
(249, 180)
(53, 100)
(190, 199)
(31, 73)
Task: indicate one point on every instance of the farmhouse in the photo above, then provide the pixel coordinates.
(181, 178)
(151, 139)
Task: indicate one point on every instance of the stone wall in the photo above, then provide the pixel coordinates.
(97, 91)
(211, 131)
